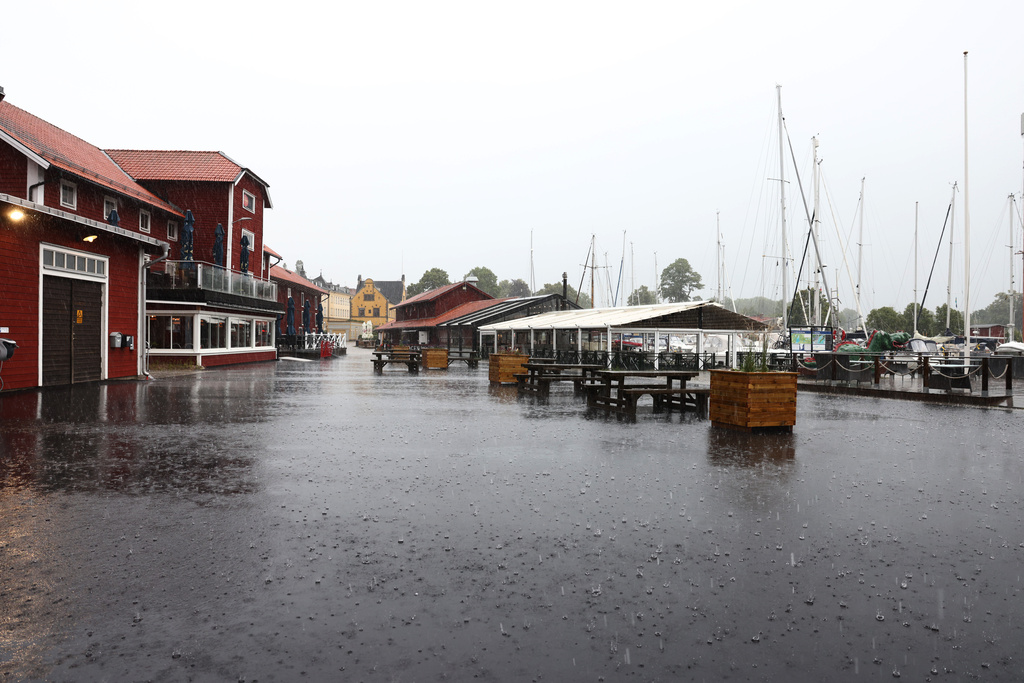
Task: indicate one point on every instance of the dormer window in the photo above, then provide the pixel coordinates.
(143, 220)
(249, 201)
(68, 194)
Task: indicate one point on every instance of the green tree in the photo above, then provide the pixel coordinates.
(848, 319)
(759, 305)
(582, 300)
(956, 321)
(514, 288)
(885, 319)
(801, 311)
(486, 279)
(641, 296)
(998, 312)
(679, 281)
(432, 279)
(925, 321)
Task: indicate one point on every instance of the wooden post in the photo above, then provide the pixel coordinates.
(984, 374)
(878, 369)
(1009, 373)
(925, 373)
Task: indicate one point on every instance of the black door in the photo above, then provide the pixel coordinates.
(72, 346)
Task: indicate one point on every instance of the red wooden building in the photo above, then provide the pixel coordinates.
(91, 243)
(417, 318)
(219, 307)
(300, 291)
(73, 268)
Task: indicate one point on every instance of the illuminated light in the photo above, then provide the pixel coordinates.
(90, 238)
(16, 214)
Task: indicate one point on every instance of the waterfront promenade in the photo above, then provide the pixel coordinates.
(319, 521)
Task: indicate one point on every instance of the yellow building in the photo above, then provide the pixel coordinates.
(374, 301)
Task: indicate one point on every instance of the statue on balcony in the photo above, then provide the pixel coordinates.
(243, 257)
(218, 246)
(186, 236)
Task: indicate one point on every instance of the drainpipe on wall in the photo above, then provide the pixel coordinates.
(143, 337)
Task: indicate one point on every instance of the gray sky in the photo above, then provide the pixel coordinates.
(402, 136)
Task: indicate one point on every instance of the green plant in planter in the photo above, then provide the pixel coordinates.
(756, 362)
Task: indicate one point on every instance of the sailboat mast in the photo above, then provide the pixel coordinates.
(860, 256)
(718, 235)
(782, 201)
(915, 269)
(817, 235)
(949, 278)
(657, 280)
(1009, 330)
(532, 283)
(593, 267)
(967, 233)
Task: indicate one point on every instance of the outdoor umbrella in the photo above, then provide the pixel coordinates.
(291, 316)
(280, 324)
(243, 258)
(186, 236)
(113, 218)
(320, 317)
(305, 316)
(218, 247)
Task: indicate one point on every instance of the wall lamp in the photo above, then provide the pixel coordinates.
(90, 238)
(16, 214)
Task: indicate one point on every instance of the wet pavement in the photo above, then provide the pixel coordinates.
(316, 521)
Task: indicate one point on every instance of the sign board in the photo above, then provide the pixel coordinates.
(810, 339)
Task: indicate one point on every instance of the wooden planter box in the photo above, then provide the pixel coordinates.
(503, 367)
(753, 400)
(435, 359)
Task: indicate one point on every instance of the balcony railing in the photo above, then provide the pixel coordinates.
(200, 275)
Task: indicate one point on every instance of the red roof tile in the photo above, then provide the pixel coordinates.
(268, 250)
(146, 164)
(458, 311)
(279, 273)
(74, 155)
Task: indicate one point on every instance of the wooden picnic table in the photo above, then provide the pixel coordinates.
(611, 391)
(408, 357)
(539, 375)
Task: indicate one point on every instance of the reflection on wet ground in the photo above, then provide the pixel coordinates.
(314, 519)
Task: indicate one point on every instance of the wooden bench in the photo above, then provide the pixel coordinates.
(411, 359)
(540, 385)
(472, 360)
(680, 398)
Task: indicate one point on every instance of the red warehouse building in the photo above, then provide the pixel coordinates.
(108, 253)
(76, 233)
(213, 302)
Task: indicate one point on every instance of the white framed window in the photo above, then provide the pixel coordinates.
(68, 262)
(249, 201)
(109, 204)
(172, 231)
(213, 332)
(241, 333)
(68, 194)
(144, 219)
